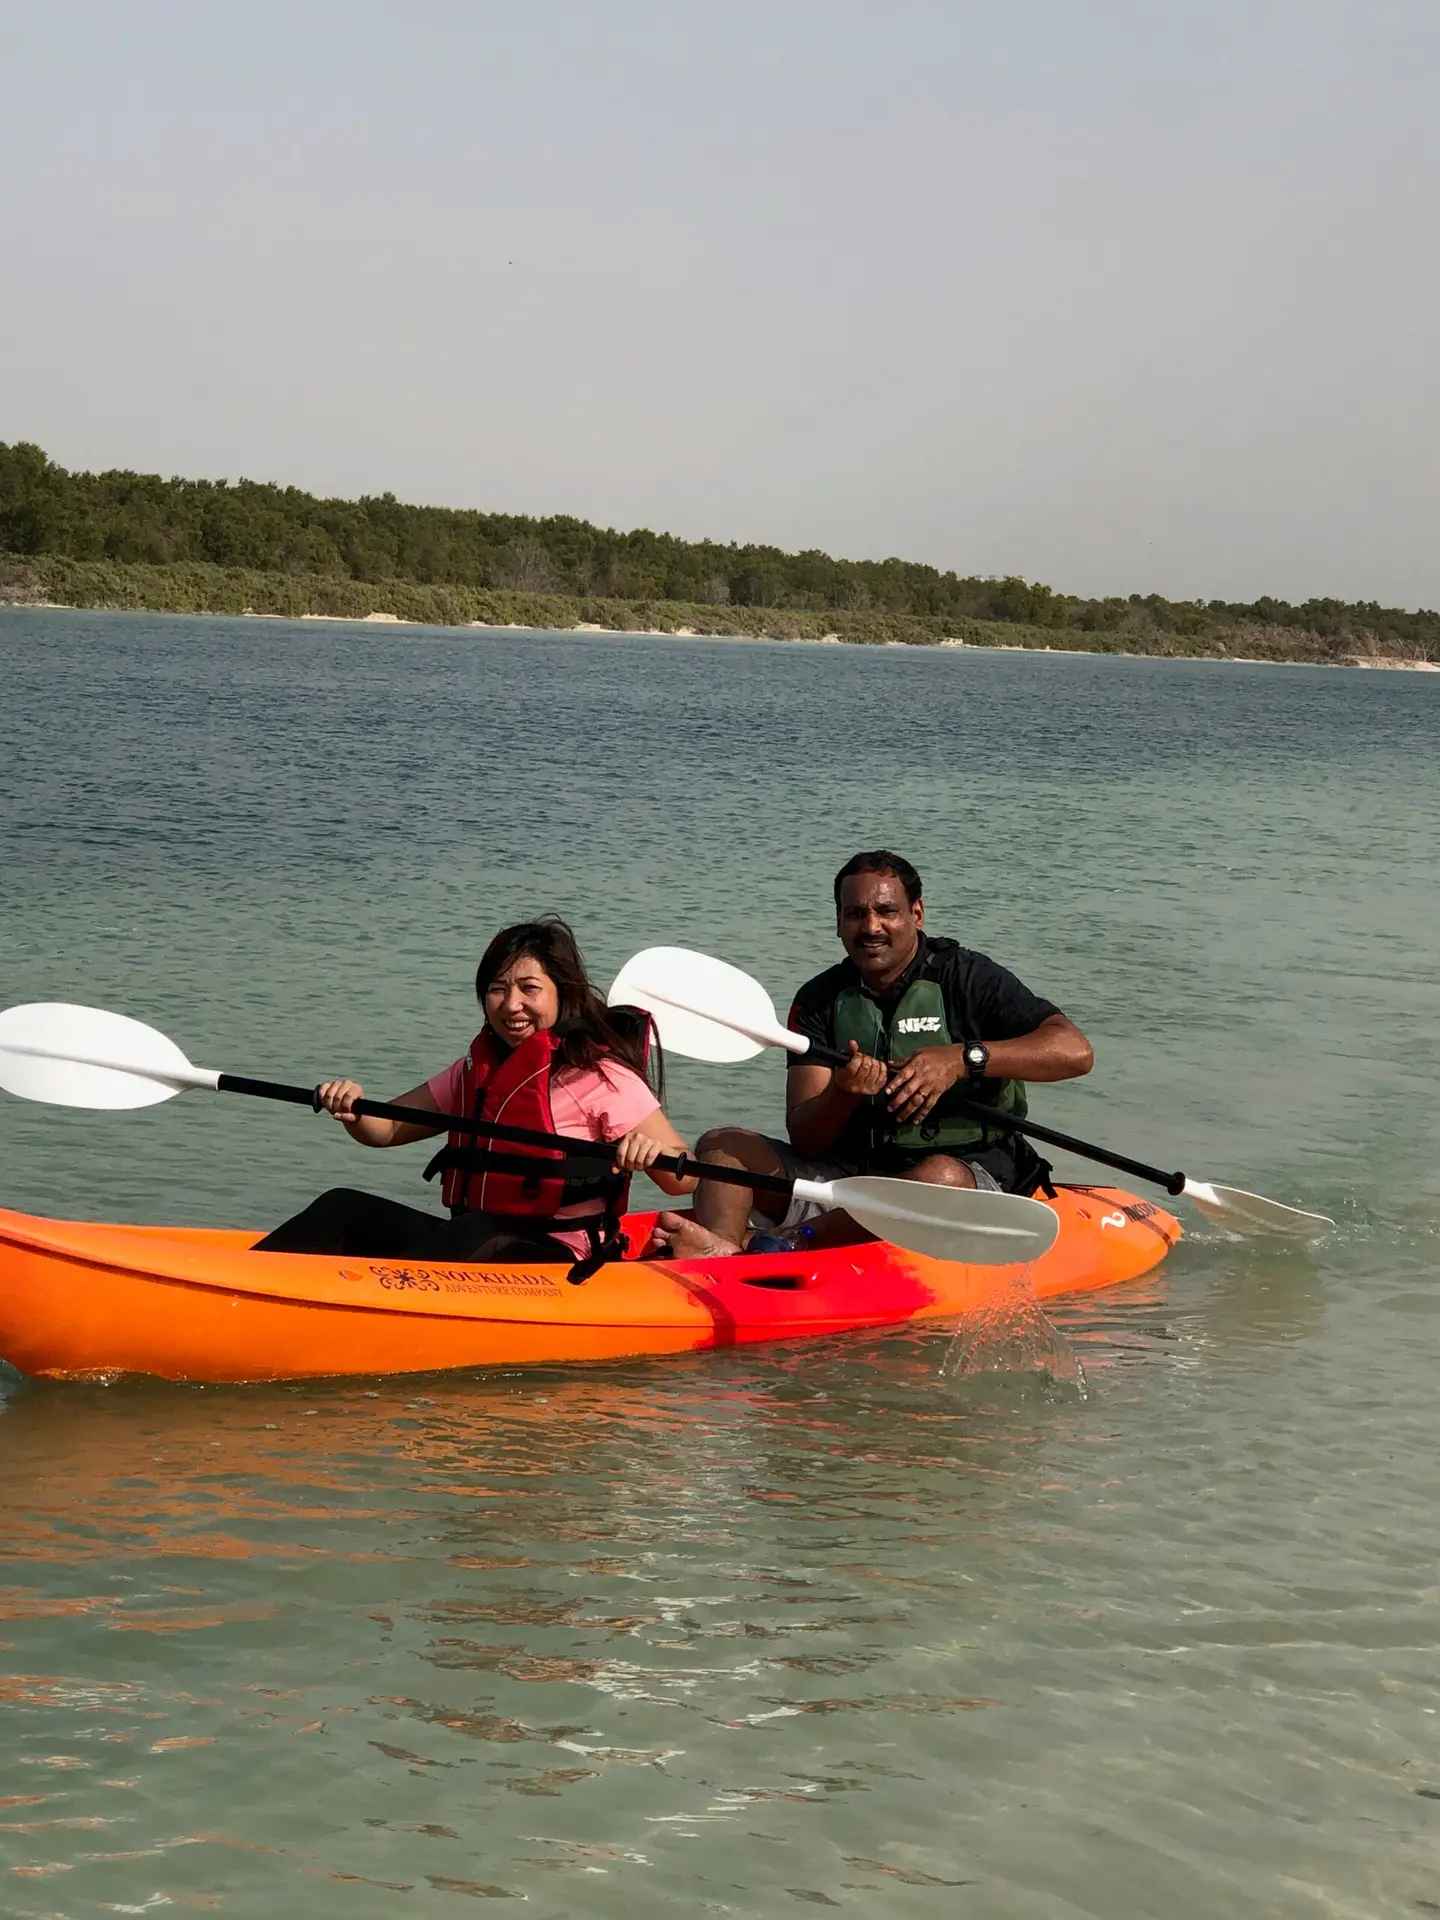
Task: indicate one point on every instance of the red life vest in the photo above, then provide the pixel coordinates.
(510, 1086)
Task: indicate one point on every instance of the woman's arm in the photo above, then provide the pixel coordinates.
(339, 1097)
(636, 1152)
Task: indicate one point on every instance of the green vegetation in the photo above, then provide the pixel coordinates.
(136, 540)
(197, 588)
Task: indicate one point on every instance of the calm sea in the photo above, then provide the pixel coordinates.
(766, 1631)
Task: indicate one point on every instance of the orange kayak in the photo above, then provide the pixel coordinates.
(81, 1301)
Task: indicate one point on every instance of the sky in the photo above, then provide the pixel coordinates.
(1122, 295)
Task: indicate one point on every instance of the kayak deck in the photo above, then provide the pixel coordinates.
(79, 1300)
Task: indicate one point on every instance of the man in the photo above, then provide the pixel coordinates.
(927, 1023)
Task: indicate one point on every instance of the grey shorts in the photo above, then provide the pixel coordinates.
(797, 1168)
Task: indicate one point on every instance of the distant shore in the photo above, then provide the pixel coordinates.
(105, 586)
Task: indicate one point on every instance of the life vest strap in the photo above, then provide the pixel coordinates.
(583, 1179)
(607, 1243)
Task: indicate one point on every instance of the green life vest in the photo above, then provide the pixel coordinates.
(920, 1020)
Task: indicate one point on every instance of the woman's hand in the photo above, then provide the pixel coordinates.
(339, 1097)
(637, 1150)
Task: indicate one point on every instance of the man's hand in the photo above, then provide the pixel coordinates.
(821, 1101)
(861, 1076)
(919, 1081)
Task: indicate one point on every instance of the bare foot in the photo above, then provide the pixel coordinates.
(685, 1239)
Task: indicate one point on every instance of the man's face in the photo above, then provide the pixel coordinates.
(878, 926)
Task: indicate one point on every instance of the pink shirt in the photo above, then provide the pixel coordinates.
(589, 1103)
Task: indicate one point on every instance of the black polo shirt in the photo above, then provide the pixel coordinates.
(983, 1001)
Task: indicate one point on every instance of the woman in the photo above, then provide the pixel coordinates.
(551, 1057)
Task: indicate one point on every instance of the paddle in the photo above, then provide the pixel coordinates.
(710, 1010)
(86, 1057)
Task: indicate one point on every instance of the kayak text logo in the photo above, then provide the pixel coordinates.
(919, 1023)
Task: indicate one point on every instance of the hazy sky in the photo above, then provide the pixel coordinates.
(1125, 295)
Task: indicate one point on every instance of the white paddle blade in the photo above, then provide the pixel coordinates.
(1242, 1212)
(86, 1057)
(977, 1228)
(702, 1007)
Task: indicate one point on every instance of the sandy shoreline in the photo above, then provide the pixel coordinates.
(1366, 661)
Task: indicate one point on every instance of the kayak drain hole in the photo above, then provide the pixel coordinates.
(779, 1282)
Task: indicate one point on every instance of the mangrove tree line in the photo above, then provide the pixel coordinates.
(139, 518)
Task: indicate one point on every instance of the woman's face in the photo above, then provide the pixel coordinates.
(521, 1000)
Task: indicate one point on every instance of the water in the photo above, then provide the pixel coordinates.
(757, 1631)
(1010, 1341)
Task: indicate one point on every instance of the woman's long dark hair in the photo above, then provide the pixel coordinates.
(587, 1031)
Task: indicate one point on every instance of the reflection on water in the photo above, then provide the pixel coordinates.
(708, 1629)
(573, 1584)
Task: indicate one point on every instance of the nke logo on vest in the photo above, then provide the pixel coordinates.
(926, 1023)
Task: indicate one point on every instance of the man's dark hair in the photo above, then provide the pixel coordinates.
(880, 862)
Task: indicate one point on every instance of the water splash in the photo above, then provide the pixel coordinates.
(1011, 1342)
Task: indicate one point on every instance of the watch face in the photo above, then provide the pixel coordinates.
(977, 1056)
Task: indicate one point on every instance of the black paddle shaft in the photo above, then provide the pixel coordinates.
(1173, 1183)
(682, 1164)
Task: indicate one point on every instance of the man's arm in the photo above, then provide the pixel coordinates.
(1055, 1050)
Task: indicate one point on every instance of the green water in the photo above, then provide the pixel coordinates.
(762, 1631)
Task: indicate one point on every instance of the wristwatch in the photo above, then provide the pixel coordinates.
(977, 1060)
